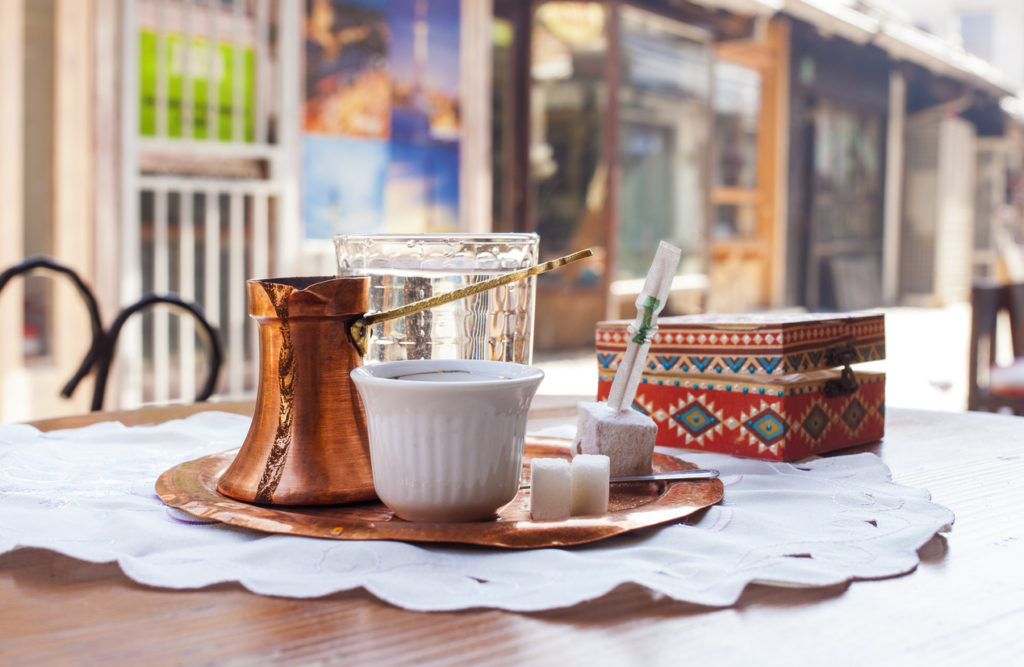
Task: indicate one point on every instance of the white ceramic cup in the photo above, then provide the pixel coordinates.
(446, 436)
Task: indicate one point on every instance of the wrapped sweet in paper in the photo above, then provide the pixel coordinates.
(613, 428)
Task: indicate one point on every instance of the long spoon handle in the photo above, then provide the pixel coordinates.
(360, 329)
(673, 476)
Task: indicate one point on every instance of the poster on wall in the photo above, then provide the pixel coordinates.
(220, 59)
(423, 190)
(380, 117)
(347, 80)
(345, 116)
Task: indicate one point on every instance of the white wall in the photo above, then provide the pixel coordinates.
(941, 17)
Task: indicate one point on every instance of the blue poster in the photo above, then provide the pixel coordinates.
(347, 84)
(343, 180)
(381, 117)
(423, 179)
(423, 187)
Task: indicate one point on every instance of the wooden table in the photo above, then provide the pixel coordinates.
(963, 605)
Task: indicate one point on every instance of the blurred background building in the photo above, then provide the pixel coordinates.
(804, 154)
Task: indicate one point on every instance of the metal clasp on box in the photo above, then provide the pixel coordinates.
(846, 383)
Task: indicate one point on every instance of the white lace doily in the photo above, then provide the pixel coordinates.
(88, 493)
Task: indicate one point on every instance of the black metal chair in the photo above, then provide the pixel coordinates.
(100, 355)
(990, 387)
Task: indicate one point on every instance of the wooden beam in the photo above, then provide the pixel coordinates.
(107, 163)
(892, 215)
(522, 45)
(778, 35)
(12, 51)
(475, 103)
(613, 64)
(73, 184)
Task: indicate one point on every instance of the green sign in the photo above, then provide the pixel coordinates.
(207, 63)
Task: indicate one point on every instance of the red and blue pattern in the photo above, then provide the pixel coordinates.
(761, 421)
(715, 386)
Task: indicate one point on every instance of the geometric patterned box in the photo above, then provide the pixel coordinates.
(777, 387)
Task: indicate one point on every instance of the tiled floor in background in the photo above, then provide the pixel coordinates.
(925, 365)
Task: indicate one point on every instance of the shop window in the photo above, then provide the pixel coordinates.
(734, 221)
(737, 107)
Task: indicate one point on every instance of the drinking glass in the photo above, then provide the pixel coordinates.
(495, 325)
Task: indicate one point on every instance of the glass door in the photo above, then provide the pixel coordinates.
(664, 136)
(567, 165)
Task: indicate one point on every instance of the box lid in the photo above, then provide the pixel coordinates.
(762, 344)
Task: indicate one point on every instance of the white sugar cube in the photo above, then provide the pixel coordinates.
(626, 437)
(589, 484)
(550, 489)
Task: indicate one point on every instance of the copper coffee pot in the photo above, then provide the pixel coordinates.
(307, 444)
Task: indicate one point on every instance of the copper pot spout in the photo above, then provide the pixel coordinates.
(307, 444)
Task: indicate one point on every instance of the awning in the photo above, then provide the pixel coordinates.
(884, 29)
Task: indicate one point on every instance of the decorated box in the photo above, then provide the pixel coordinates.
(773, 386)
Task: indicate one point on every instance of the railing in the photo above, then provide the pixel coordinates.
(207, 179)
(201, 239)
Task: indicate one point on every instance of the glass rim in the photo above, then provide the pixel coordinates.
(505, 374)
(481, 237)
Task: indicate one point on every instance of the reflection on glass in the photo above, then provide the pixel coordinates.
(737, 102)
(734, 221)
(663, 137)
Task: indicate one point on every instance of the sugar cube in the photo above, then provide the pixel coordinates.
(589, 484)
(550, 489)
(626, 437)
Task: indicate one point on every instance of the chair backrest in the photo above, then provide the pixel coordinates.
(216, 351)
(100, 355)
(988, 300)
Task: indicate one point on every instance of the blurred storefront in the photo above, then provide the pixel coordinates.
(786, 152)
(802, 154)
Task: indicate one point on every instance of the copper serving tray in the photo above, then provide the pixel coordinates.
(192, 487)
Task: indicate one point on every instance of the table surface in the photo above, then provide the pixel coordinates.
(964, 603)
